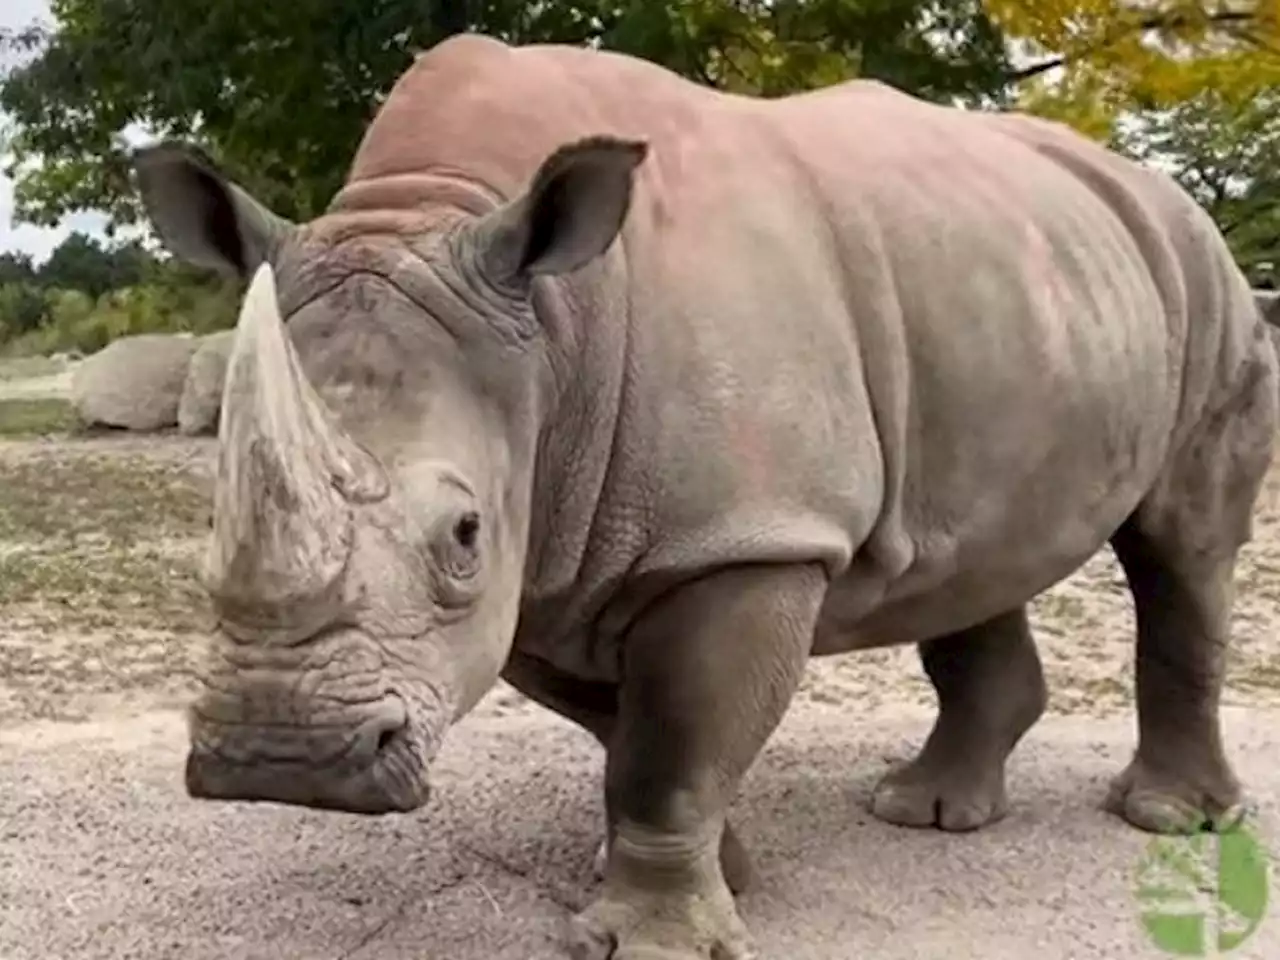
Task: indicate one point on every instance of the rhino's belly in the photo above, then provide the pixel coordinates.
(950, 585)
(969, 598)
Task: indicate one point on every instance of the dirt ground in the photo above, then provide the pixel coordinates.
(103, 856)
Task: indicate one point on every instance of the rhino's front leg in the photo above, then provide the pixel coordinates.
(708, 673)
(735, 862)
(594, 707)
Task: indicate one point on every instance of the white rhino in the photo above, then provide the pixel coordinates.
(638, 395)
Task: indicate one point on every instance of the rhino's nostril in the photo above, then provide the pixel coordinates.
(385, 739)
(385, 728)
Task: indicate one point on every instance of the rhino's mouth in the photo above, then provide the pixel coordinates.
(377, 768)
(360, 756)
(340, 721)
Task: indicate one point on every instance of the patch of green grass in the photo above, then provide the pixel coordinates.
(1061, 608)
(37, 416)
(100, 600)
(120, 499)
(103, 589)
(101, 542)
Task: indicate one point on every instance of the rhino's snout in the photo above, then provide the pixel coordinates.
(367, 765)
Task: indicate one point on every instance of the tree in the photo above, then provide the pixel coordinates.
(279, 94)
(16, 267)
(22, 307)
(1093, 60)
(1226, 154)
(82, 263)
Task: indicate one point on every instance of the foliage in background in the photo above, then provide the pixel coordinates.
(1098, 59)
(279, 95)
(87, 293)
(1226, 153)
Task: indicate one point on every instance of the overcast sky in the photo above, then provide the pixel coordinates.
(34, 240)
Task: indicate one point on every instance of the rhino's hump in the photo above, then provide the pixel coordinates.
(477, 108)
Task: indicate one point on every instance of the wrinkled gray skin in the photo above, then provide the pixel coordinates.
(641, 422)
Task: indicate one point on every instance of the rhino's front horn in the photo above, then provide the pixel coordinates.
(287, 474)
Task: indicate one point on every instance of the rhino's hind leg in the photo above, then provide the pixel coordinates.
(1179, 780)
(1178, 550)
(990, 689)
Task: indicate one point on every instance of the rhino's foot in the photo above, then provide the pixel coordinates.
(920, 794)
(678, 923)
(1163, 803)
(735, 862)
(990, 691)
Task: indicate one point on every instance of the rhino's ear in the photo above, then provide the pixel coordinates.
(200, 216)
(570, 214)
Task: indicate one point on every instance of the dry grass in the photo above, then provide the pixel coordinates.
(37, 416)
(98, 575)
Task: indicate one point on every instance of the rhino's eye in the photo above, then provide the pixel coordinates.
(456, 547)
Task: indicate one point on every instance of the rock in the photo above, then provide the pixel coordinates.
(202, 391)
(134, 383)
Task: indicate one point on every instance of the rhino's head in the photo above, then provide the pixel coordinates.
(375, 471)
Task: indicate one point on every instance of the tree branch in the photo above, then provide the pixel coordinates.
(1167, 22)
